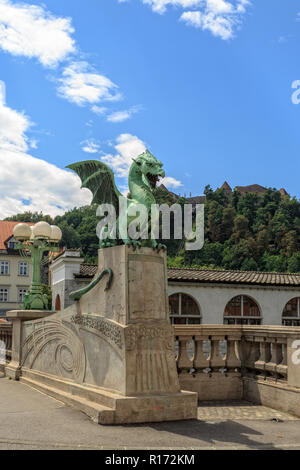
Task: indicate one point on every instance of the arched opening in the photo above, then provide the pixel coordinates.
(291, 313)
(242, 310)
(57, 303)
(184, 310)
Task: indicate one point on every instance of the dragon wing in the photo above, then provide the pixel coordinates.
(99, 179)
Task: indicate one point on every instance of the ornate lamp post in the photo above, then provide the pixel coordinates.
(38, 239)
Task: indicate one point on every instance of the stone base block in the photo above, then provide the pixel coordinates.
(106, 407)
(214, 386)
(279, 396)
(13, 371)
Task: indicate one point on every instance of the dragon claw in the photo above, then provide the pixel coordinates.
(160, 247)
(134, 243)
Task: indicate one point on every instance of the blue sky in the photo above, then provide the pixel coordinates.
(206, 85)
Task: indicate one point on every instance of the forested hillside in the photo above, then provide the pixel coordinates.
(243, 232)
(250, 232)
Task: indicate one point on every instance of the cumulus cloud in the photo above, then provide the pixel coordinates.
(90, 146)
(171, 182)
(31, 184)
(121, 116)
(127, 147)
(220, 17)
(28, 183)
(2, 92)
(80, 85)
(13, 126)
(32, 31)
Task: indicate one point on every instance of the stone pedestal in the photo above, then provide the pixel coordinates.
(112, 353)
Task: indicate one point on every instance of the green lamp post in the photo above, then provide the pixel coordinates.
(38, 239)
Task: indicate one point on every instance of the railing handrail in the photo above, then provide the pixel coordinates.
(236, 329)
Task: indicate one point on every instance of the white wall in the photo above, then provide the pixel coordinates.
(212, 299)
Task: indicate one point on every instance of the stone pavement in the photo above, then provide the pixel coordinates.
(31, 420)
(240, 410)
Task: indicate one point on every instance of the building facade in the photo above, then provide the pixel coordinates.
(15, 271)
(201, 296)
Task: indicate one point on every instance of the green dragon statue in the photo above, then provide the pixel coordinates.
(144, 174)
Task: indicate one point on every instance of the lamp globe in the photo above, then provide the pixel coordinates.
(22, 232)
(56, 234)
(41, 231)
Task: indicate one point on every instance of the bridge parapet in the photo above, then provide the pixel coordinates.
(256, 363)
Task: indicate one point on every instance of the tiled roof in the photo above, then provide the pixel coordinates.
(6, 231)
(196, 199)
(252, 188)
(233, 277)
(211, 276)
(226, 186)
(87, 270)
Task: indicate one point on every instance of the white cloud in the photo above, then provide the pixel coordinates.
(31, 184)
(28, 183)
(121, 116)
(32, 31)
(160, 6)
(220, 17)
(90, 146)
(170, 182)
(2, 93)
(81, 85)
(128, 147)
(98, 109)
(13, 126)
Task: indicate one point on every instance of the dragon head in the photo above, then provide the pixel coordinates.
(151, 169)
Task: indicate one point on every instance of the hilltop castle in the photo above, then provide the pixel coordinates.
(251, 189)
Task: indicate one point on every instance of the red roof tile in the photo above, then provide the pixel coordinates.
(6, 231)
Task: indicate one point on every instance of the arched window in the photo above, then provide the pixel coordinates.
(57, 304)
(291, 313)
(184, 310)
(242, 310)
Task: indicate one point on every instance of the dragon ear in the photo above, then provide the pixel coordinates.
(135, 161)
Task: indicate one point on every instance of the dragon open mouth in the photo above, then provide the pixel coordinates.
(153, 180)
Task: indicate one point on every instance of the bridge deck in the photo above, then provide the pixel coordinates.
(31, 420)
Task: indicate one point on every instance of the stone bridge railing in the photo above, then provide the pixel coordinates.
(256, 363)
(6, 338)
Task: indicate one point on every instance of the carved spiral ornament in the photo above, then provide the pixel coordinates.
(69, 352)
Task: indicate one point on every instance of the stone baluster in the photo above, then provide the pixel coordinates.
(251, 353)
(217, 362)
(282, 367)
(276, 357)
(232, 359)
(200, 361)
(265, 355)
(184, 363)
